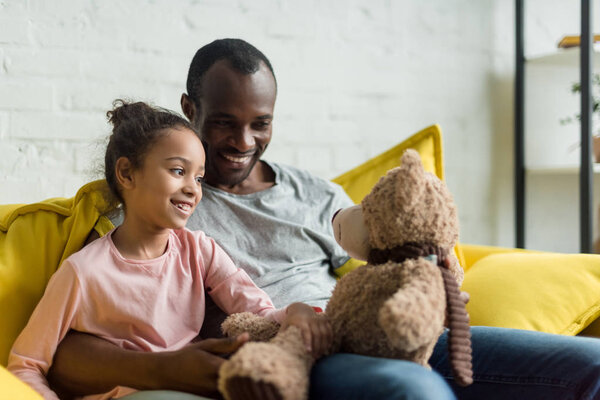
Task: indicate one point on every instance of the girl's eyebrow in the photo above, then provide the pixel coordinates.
(175, 158)
(185, 161)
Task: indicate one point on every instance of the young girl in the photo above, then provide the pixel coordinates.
(142, 285)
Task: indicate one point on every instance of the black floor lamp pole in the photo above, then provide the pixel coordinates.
(519, 127)
(586, 171)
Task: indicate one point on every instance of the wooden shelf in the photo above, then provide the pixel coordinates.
(558, 170)
(564, 58)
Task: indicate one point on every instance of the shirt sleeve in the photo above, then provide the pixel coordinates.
(33, 351)
(232, 289)
(340, 200)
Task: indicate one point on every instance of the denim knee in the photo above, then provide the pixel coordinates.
(352, 376)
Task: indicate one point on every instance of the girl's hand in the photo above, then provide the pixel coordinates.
(315, 329)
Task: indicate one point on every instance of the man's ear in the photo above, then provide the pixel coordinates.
(124, 173)
(188, 107)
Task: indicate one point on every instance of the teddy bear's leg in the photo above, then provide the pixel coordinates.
(259, 328)
(280, 367)
(413, 317)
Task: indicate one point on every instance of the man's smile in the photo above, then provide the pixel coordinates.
(238, 159)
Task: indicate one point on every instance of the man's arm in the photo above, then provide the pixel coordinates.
(85, 364)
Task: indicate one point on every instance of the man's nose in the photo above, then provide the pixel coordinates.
(243, 139)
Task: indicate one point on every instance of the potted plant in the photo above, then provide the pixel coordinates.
(576, 88)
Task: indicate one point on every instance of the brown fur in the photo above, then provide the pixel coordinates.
(394, 310)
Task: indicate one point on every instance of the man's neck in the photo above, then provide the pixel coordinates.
(261, 177)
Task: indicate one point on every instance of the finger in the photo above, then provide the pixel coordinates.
(447, 262)
(307, 337)
(326, 337)
(224, 345)
(465, 296)
(317, 339)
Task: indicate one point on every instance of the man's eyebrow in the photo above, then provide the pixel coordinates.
(231, 116)
(220, 115)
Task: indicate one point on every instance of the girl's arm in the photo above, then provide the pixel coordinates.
(32, 353)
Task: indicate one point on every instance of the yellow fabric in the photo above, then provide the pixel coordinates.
(12, 388)
(471, 253)
(359, 181)
(548, 292)
(34, 240)
(350, 265)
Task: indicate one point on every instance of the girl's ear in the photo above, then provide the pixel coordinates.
(124, 173)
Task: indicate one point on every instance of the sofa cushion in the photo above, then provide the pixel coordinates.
(359, 181)
(548, 292)
(34, 240)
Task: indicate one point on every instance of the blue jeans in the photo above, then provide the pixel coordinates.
(346, 376)
(507, 364)
(517, 364)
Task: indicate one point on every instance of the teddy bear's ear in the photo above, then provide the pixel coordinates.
(411, 179)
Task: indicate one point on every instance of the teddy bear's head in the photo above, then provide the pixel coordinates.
(410, 205)
(407, 205)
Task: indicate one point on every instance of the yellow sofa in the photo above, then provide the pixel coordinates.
(557, 293)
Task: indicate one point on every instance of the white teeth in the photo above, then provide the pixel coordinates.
(236, 159)
(183, 207)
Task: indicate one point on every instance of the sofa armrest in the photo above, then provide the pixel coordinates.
(12, 388)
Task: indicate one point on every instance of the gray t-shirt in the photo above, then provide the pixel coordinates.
(282, 236)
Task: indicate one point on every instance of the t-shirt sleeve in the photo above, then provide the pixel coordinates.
(340, 200)
(33, 351)
(232, 289)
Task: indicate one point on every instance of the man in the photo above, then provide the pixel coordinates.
(273, 220)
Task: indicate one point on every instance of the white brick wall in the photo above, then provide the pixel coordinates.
(355, 78)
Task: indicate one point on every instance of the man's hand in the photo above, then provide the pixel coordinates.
(195, 368)
(85, 364)
(316, 330)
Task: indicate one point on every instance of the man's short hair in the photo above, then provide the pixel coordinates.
(240, 54)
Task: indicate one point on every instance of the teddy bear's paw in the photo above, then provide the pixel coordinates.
(278, 370)
(259, 328)
(412, 319)
(243, 388)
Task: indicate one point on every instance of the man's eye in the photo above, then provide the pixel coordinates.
(262, 125)
(222, 123)
(177, 171)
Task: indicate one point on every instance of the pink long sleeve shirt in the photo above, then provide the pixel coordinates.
(145, 305)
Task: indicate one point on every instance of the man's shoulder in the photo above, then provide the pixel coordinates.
(287, 173)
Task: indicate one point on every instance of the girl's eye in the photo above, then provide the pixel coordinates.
(199, 179)
(178, 171)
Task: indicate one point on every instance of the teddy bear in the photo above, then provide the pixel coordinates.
(394, 306)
